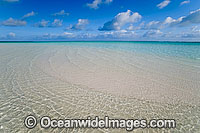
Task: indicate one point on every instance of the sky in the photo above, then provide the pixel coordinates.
(126, 20)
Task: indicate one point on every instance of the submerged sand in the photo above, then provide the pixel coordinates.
(78, 81)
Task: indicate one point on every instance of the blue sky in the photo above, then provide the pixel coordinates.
(137, 20)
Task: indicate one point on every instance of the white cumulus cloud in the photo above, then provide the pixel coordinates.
(96, 3)
(80, 25)
(13, 22)
(169, 20)
(57, 23)
(120, 20)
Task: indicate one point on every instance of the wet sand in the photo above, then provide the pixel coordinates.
(76, 82)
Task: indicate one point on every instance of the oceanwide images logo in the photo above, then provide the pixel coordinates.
(128, 124)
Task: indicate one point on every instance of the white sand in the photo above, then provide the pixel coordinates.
(76, 82)
(140, 76)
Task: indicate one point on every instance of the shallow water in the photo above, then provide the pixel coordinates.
(53, 79)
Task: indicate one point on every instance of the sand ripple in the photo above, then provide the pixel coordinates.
(74, 82)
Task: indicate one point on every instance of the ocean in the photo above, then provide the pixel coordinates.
(124, 80)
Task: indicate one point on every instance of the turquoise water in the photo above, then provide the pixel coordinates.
(189, 50)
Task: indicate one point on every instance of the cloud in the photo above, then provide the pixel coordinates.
(119, 34)
(194, 33)
(42, 23)
(120, 20)
(56, 23)
(61, 13)
(108, 1)
(46, 23)
(152, 33)
(13, 22)
(29, 15)
(185, 2)
(153, 25)
(169, 20)
(139, 27)
(195, 29)
(192, 18)
(11, 35)
(11, 1)
(163, 4)
(156, 25)
(65, 35)
(80, 25)
(190, 36)
(95, 4)
(131, 27)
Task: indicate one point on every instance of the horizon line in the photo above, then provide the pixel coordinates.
(27, 41)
